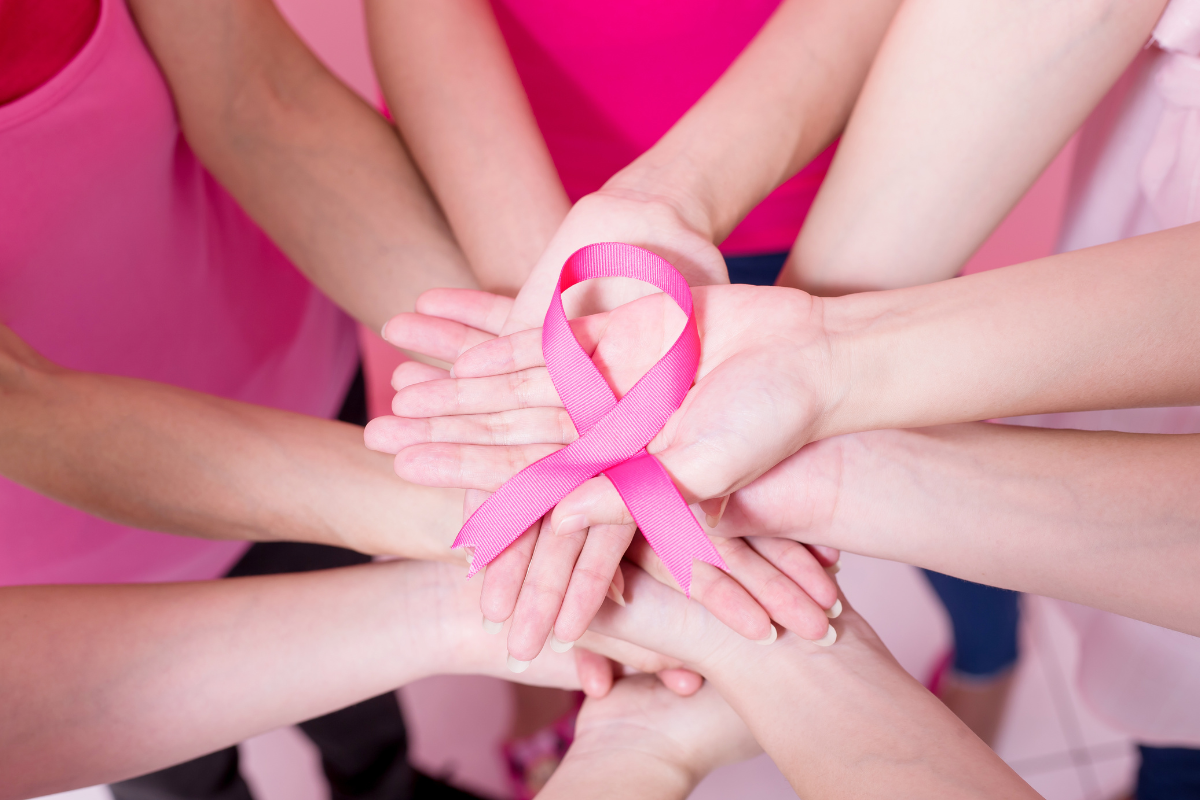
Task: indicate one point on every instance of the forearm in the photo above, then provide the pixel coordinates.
(323, 173)
(782, 102)
(964, 107)
(614, 771)
(455, 94)
(162, 458)
(1107, 327)
(1109, 520)
(107, 682)
(850, 722)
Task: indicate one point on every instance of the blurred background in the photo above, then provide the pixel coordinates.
(456, 724)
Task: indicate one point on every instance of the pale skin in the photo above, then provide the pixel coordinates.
(104, 683)
(787, 583)
(294, 146)
(964, 106)
(845, 721)
(780, 368)
(459, 103)
(1098, 518)
(642, 741)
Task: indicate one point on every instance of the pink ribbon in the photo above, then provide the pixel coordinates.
(612, 434)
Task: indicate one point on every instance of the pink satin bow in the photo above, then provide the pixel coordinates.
(612, 434)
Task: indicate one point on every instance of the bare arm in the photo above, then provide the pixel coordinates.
(324, 174)
(964, 107)
(102, 683)
(158, 457)
(1109, 520)
(843, 721)
(455, 94)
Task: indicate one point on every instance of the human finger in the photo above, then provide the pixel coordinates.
(409, 372)
(443, 339)
(595, 576)
(502, 580)
(542, 592)
(529, 388)
(802, 567)
(522, 426)
(682, 681)
(523, 350)
(484, 311)
(466, 466)
(723, 596)
(595, 672)
(782, 598)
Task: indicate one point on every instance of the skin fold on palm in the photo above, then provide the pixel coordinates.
(498, 412)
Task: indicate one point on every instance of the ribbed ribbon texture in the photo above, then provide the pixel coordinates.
(612, 434)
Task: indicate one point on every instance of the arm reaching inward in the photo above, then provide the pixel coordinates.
(965, 105)
(780, 368)
(106, 682)
(321, 171)
(847, 721)
(162, 458)
(1109, 520)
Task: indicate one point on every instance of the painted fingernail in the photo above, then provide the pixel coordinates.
(769, 638)
(559, 646)
(572, 524)
(492, 627)
(836, 611)
(615, 595)
(517, 665)
(835, 568)
(714, 521)
(829, 638)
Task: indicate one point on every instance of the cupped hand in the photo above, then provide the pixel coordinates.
(689, 735)
(479, 430)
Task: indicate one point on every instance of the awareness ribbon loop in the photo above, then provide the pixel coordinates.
(612, 434)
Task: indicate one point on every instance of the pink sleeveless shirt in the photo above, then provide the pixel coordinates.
(120, 254)
(607, 80)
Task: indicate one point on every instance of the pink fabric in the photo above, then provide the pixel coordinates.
(1137, 171)
(612, 434)
(119, 254)
(607, 80)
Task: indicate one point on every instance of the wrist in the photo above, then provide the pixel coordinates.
(645, 765)
(857, 360)
(665, 186)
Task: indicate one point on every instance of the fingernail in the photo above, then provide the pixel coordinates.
(517, 665)
(559, 646)
(572, 524)
(383, 331)
(836, 611)
(615, 595)
(829, 638)
(470, 551)
(714, 521)
(452, 375)
(492, 627)
(835, 568)
(769, 638)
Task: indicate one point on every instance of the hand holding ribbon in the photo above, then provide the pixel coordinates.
(502, 413)
(613, 434)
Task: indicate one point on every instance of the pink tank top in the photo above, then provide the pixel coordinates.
(120, 254)
(607, 80)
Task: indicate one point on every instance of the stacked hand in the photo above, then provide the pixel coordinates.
(764, 376)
